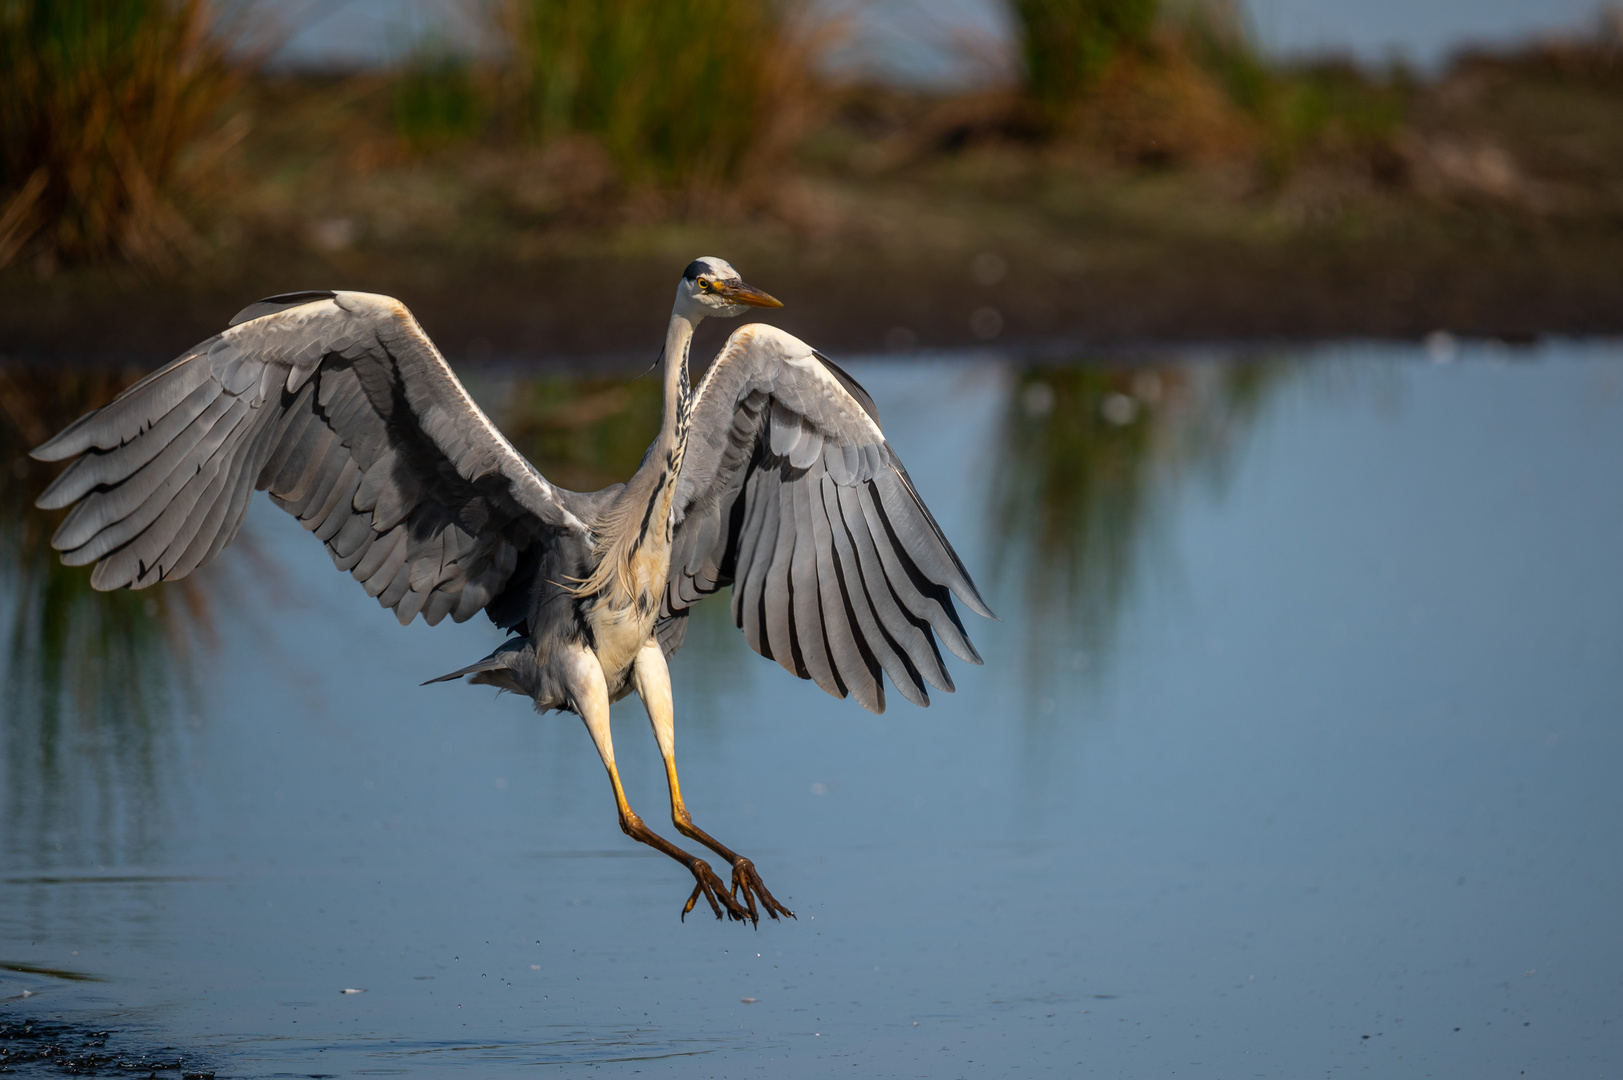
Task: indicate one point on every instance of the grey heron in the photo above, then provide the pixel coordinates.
(771, 476)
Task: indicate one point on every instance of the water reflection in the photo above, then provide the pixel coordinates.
(92, 679)
(97, 683)
(1088, 460)
(583, 432)
(1407, 735)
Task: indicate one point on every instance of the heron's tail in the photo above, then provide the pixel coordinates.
(511, 667)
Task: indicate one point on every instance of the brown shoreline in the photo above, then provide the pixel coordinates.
(599, 312)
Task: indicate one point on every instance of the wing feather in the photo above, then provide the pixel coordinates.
(778, 591)
(881, 651)
(242, 490)
(339, 405)
(333, 513)
(926, 599)
(755, 545)
(806, 623)
(117, 464)
(907, 630)
(352, 540)
(388, 554)
(134, 411)
(790, 494)
(851, 660)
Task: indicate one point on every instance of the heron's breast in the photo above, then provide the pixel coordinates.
(623, 618)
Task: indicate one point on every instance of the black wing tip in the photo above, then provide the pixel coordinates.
(965, 588)
(270, 305)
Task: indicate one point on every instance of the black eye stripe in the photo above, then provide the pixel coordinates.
(695, 268)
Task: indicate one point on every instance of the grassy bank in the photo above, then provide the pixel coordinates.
(1176, 187)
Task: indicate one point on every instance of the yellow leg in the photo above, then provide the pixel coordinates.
(590, 697)
(653, 681)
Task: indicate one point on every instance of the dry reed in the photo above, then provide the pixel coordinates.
(99, 101)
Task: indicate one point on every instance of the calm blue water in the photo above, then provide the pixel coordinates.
(1296, 753)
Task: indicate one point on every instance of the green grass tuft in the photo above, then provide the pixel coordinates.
(436, 99)
(676, 90)
(1066, 45)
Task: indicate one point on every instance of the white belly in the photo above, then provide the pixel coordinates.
(617, 634)
(623, 620)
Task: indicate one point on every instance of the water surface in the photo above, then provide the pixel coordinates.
(1295, 753)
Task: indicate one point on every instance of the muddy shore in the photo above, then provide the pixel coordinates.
(591, 310)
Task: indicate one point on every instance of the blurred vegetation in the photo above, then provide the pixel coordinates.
(69, 648)
(99, 102)
(436, 99)
(675, 89)
(1330, 107)
(1147, 141)
(583, 432)
(672, 92)
(1091, 456)
(1157, 83)
(1066, 45)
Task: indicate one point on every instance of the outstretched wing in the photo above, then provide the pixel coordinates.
(340, 406)
(790, 493)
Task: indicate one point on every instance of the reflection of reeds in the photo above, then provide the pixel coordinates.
(98, 101)
(91, 679)
(1090, 456)
(102, 653)
(1184, 83)
(583, 433)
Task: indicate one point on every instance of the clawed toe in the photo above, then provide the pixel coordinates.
(739, 904)
(711, 888)
(748, 883)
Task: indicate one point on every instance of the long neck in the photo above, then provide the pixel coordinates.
(665, 457)
(638, 522)
(639, 511)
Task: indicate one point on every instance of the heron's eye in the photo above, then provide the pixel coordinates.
(703, 284)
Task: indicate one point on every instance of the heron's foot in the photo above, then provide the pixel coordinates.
(711, 888)
(747, 882)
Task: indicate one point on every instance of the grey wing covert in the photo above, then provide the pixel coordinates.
(791, 494)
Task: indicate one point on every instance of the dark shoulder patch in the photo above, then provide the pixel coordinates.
(695, 268)
(280, 302)
(852, 387)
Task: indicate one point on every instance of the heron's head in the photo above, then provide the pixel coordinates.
(710, 286)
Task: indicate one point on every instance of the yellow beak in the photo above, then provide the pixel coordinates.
(746, 294)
